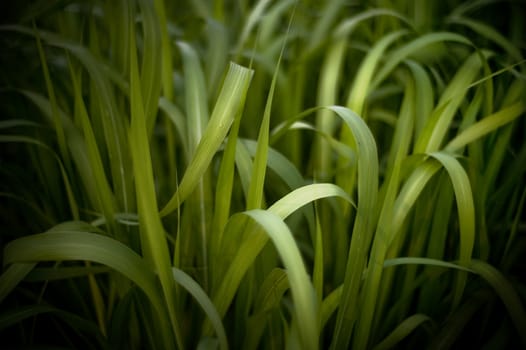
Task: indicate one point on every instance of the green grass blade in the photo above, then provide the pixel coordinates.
(153, 241)
(200, 296)
(364, 76)
(223, 197)
(12, 276)
(216, 55)
(280, 164)
(486, 126)
(329, 305)
(506, 292)
(305, 307)
(326, 122)
(466, 215)
(490, 33)
(363, 226)
(319, 32)
(229, 103)
(257, 181)
(166, 49)
(268, 298)
(412, 48)
(317, 273)
(424, 261)
(410, 192)
(304, 195)
(271, 291)
(178, 120)
(114, 126)
(67, 184)
(438, 124)
(59, 128)
(75, 245)
(402, 331)
(195, 97)
(199, 205)
(152, 61)
(106, 201)
(371, 287)
(253, 18)
(248, 250)
(424, 96)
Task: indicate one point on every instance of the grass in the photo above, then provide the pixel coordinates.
(263, 175)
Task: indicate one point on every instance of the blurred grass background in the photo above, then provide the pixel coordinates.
(263, 174)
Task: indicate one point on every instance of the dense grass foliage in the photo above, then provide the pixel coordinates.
(263, 174)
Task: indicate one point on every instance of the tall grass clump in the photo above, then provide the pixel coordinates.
(263, 174)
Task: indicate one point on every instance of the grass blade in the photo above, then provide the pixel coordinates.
(363, 225)
(153, 242)
(12, 276)
(402, 331)
(506, 292)
(75, 245)
(229, 103)
(466, 215)
(200, 296)
(486, 126)
(305, 307)
(248, 250)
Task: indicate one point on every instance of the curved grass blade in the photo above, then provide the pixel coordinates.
(506, 292)
(364, 76)
(466, 214)
(200, 296)
(76, 245)
(249, 249)
(424, 95)
(305, 307)
(413, 47)
(410, 192)
(367, 189)
(425, 261)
